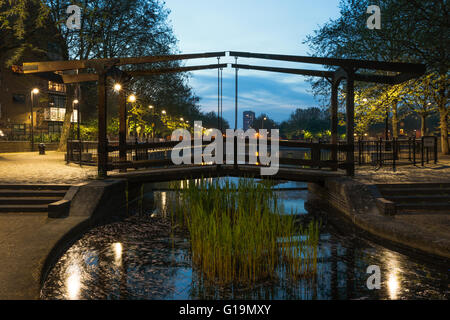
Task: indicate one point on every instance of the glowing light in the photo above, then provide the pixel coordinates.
(393, 286)
(73, 282)
(163, 201)
(181, 119)
(364, 100)
(75, 101)
(117, 87)
(393, 267)
(163, 112)
(132, 98)
(35, 90)
(118, 248)
(150, 107)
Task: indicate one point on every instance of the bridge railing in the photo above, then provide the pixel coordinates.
(296, 154)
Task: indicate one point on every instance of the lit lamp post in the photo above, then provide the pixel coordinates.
(153, 120)
(132, 99)
(33, 92)
(262, 122)
(76, 102)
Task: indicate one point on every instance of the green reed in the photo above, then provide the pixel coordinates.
(238, 232)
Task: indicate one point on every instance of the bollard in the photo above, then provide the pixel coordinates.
(41, 148)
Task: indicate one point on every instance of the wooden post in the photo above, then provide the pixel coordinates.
(122, 128)
(334, 124)
(102, 152)
(350, 104)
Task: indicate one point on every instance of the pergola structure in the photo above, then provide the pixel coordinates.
(108, 68)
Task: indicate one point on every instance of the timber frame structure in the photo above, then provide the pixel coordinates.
(108, 68)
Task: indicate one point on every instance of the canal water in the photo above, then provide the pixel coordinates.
(141, 258)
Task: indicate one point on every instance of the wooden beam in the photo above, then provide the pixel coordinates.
(102, 151)
(304, 72)
(51, 66)
(150, 72)
(334, 120)
(347, 63)
(350, 107)
(123, 126)
(77, 78)
(87, 77)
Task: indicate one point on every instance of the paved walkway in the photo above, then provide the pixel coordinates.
(32, 168)
(26, 240)
(431, 172)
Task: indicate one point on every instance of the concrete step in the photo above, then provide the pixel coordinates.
(424, 206)
(31, 193)
(34, 187)
(413, 185)
(419, 198)
(28, 200)
(416, 191)
(23, 208)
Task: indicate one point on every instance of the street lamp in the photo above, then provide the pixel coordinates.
(262, 122)
(163, 112)
(76, 102)
(117, 87)
(132, 98)
(33, 92)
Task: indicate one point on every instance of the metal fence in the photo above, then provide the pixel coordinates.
(396, 152)
(153, 154)
(300, 154)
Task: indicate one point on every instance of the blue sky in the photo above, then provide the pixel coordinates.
(267, 26)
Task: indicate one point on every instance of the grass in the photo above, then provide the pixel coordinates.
(238, 232)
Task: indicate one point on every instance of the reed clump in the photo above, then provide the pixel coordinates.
(238, 232)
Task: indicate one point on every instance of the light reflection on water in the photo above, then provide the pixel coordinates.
(137, 259)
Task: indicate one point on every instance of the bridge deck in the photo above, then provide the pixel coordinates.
(185, 172)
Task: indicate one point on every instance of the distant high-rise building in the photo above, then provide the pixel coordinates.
(249, 117)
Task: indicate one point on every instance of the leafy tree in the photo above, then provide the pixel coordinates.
(312, 120)
(264, 122)
(411, 31)
(23, 29)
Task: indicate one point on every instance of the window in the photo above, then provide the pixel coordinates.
(19, 98)
(19, 129)
(59, 87)
(54, 127)
(56, 101)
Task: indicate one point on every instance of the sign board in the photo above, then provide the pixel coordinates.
(429, 141)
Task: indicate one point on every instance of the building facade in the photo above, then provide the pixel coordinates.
(28, 102)
(248, 119)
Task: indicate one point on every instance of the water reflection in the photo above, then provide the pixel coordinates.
(392, 267)
(73, 282)
(117, 254)
(139, 258)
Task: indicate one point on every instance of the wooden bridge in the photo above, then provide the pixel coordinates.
(342, 69)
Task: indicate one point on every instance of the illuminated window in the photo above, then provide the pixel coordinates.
(59, 87)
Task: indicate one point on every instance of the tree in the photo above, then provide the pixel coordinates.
(411, 31)
(419, 95)
(111, 28)
(23, 29)
(264, 122)
(313, 120)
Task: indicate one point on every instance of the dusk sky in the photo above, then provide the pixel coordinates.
(265, 26)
